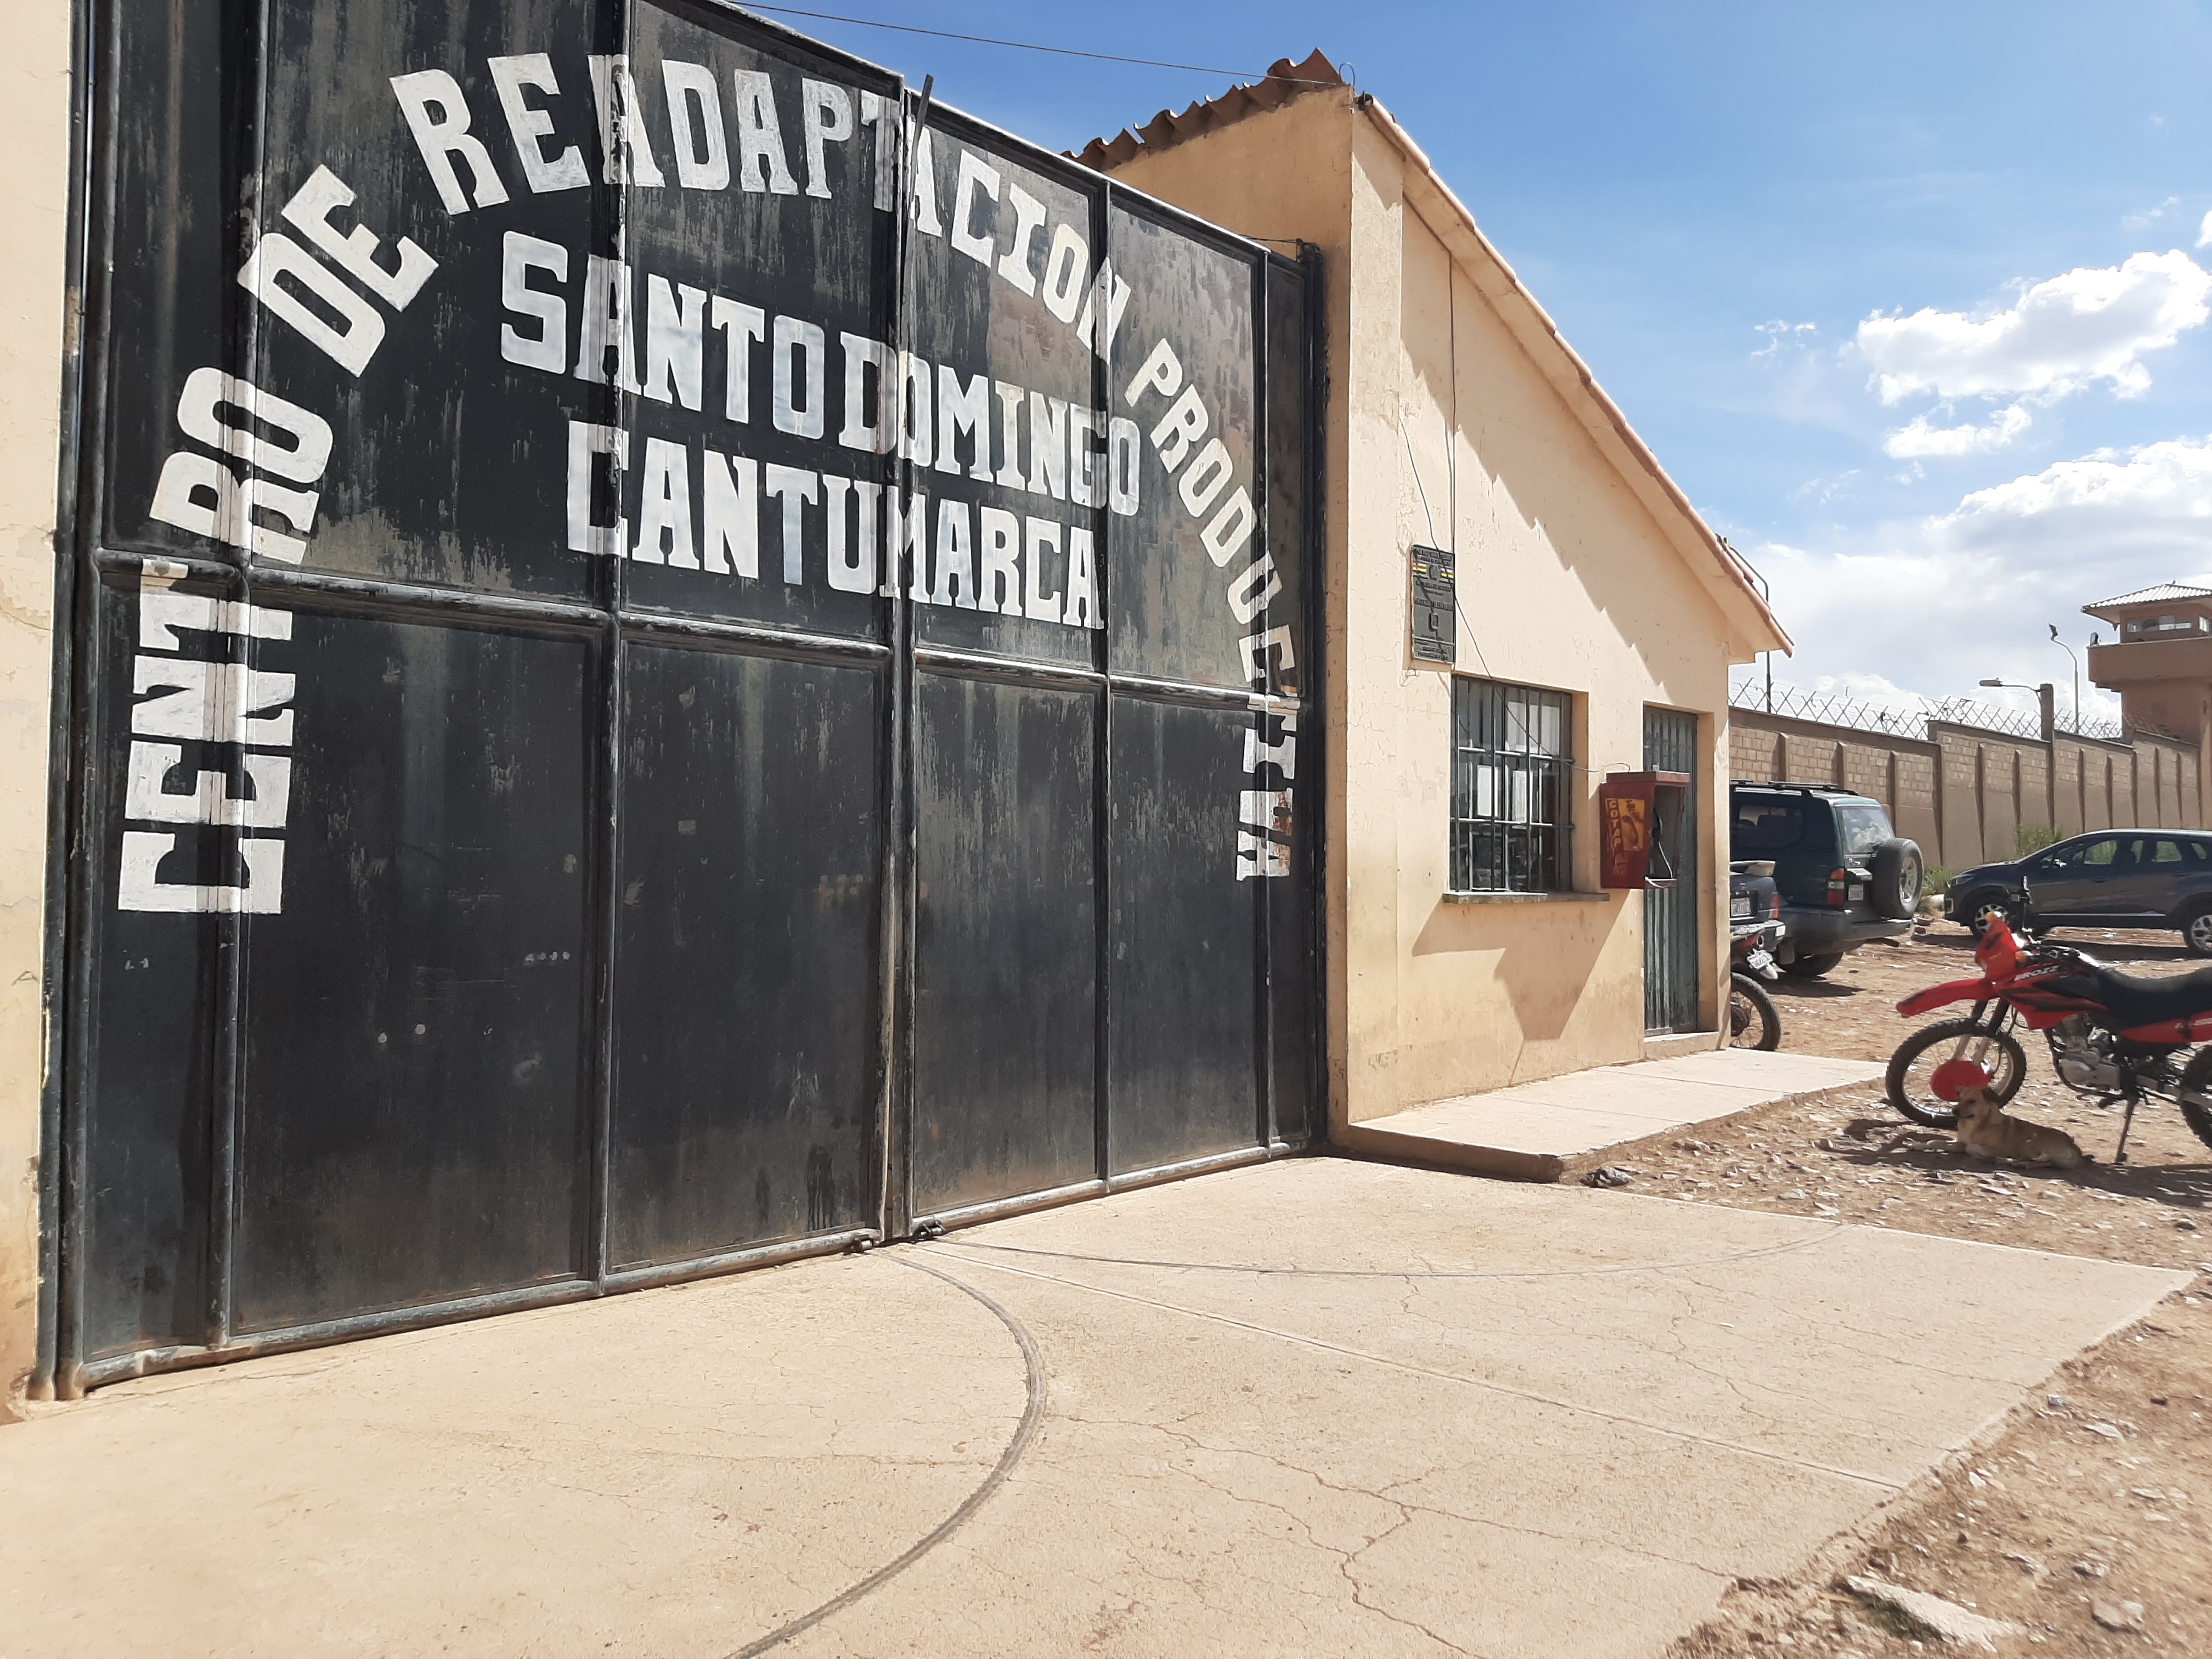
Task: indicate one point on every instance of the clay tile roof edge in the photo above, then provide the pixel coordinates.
(1285, 81)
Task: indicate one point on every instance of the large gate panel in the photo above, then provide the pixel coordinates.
(775, 287)
(1195, 573)
(177, 172)
(745, 1032)
(612, 567)
(431, 480)
(414, 1116)
(147, 1186)
(1184, 946)
(1037, 465)
(1005, 972)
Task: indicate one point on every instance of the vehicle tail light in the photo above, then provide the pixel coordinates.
(1774, 907)
(1839, 883)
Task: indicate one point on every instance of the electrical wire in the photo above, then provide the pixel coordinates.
(1030, 46)
(1465, 621)
(1415, 467)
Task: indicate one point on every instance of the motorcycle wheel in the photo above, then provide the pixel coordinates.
(1918, 1056)
(2194, 1094)
(1753, 1020)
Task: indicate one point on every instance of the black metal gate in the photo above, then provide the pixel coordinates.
(1672, 919)
(637, 709)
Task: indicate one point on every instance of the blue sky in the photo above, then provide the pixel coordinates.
(1911, 298)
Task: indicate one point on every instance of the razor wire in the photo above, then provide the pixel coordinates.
(1891, 720)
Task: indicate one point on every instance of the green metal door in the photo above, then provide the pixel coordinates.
(1670, 913)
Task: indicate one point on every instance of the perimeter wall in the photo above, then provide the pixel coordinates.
(1965, 793)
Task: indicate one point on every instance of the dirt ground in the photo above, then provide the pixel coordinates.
(2087, 1522)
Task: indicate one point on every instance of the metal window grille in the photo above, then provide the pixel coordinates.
(1511, 764)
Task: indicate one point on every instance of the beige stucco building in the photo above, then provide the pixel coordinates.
(34, 133)
(1457, 417)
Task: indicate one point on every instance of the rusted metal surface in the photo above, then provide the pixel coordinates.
(641, 709)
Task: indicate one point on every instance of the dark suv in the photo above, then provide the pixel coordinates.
(1846, 876)
(2107, 878)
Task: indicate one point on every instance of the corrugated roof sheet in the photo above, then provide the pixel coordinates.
(2161, 594)
(1285, 81)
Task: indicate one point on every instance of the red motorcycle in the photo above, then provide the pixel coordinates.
(2114, 1036)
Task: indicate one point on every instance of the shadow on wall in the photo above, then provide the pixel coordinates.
(1544, 961)
(1536, 479)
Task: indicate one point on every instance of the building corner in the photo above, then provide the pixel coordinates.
(35, 129)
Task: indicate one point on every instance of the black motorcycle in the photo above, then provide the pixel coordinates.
(1755, 929)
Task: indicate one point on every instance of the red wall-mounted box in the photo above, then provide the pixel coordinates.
(1640, 819)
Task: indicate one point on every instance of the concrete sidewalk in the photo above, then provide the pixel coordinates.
(1317, 1408)
(1559, 1127)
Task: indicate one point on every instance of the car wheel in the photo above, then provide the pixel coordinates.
(1898, 871)
(2196, 931)
(1812, 967)
(1979, 908)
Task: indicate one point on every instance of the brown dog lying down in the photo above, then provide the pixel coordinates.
(1985, 1131)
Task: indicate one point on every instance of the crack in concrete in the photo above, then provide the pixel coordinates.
(1384, 1495)
(1346, 1559)
(1861, 1476)
(1360, 1598)
(1828, 1322)
(1426, 1271)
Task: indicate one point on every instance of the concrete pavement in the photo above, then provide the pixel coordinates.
(1560, 1126)
(1320, 1406)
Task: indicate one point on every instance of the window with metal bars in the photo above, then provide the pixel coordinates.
(1512, 771)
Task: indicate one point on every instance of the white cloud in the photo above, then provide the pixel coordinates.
(1873, 690)
(1779, 334)
(1934, 604)
(1821, 491)
(2157, 498)
(1919, 438)
(2149, 215)
(2059, 336)
(2204, 232)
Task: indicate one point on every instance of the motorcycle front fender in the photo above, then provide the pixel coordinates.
(1941, 996)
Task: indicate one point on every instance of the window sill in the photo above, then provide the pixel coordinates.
(1526, 898)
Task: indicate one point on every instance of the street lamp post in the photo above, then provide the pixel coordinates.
(2076, 661)
(2046, 695)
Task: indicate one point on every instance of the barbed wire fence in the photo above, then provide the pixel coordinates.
(1890, 719)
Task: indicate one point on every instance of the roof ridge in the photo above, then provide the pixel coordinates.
(1283, 81)
(2153, 594)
